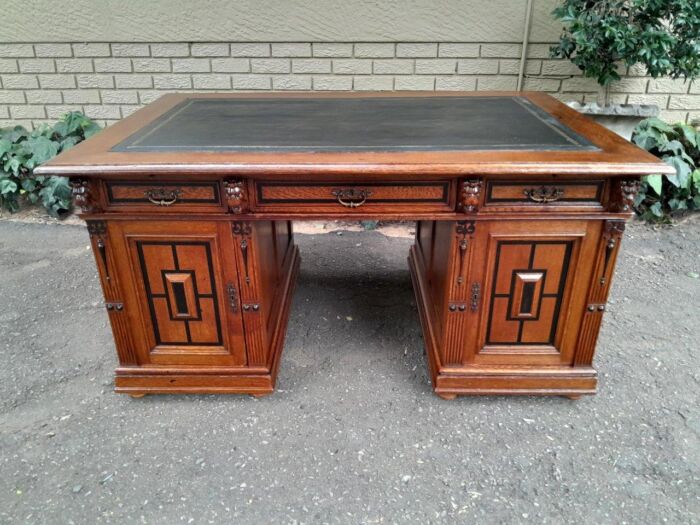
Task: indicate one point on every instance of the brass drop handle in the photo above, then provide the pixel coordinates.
(162, 197)
(351, 198)
(544, 194)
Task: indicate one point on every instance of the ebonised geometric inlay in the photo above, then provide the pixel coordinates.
(527, 291)
(181, 292)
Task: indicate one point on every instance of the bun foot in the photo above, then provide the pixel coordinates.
(258, 396)
(446, 397)
(136, 396)
(573, 397)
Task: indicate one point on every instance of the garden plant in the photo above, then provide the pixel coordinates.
(22, 150)
(679, 146)
(601, 36)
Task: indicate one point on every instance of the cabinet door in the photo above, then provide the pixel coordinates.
(180, 288)
(530, 280)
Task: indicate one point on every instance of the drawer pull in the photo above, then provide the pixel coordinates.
(544, 194)
(351, 198)
(162, 197)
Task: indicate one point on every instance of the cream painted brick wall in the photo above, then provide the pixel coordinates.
(375, 50)
(130, 50)
(458, 50)
(291, 83)
(91, 50)
(291, 50)
(311, 65)
(16, 50)
(321, 49)
(393, 66)
(8, 65)
(331, 83)
(230, 65)
(416, 50)
(249, 50)
(151, 65)
(53, 50)
(109, 81)
(371, 83)
(210, 50)
(349, 66)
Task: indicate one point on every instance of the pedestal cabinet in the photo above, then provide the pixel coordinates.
(506, 303)
(196, 304)
(520, 205)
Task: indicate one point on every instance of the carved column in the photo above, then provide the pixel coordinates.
(114, 303)
(251, 301)
(462, 298)
(598, 291)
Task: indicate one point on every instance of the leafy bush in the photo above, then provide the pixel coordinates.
(599, 35)
(679, 146)
(21, 151)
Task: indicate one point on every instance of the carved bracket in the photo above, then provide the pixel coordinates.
(236, 196)
(612, 234)
(628, 192)
(244, 231)
(85, 195)
(464, 229)
(98, 231)
(470, 195)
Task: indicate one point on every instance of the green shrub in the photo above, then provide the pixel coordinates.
(679, 146)
(21, 151)
(600, 35)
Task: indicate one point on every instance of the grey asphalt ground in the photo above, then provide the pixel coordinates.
(353, 433)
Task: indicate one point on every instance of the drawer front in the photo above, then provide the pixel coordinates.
(355, 196)
(163, 196)
(546, 193)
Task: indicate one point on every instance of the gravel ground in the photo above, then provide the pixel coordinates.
(354, 433)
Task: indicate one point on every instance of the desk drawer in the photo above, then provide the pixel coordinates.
(355, 196)
(164, 196)
(544, 193)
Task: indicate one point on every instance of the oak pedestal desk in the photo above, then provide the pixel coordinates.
(520, 205)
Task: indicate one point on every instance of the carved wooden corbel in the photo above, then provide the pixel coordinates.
(628, 192)
(470, 195)
(236, 196)
(98, 232)
(85, 195)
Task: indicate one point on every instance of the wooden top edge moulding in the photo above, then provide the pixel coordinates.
(384, 134)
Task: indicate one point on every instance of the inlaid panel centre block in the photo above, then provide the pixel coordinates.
(520, 205)
(528, 287)
(181, 290)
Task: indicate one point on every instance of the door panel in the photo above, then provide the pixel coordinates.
(184, 284)
(529, 281)
(534, 277)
